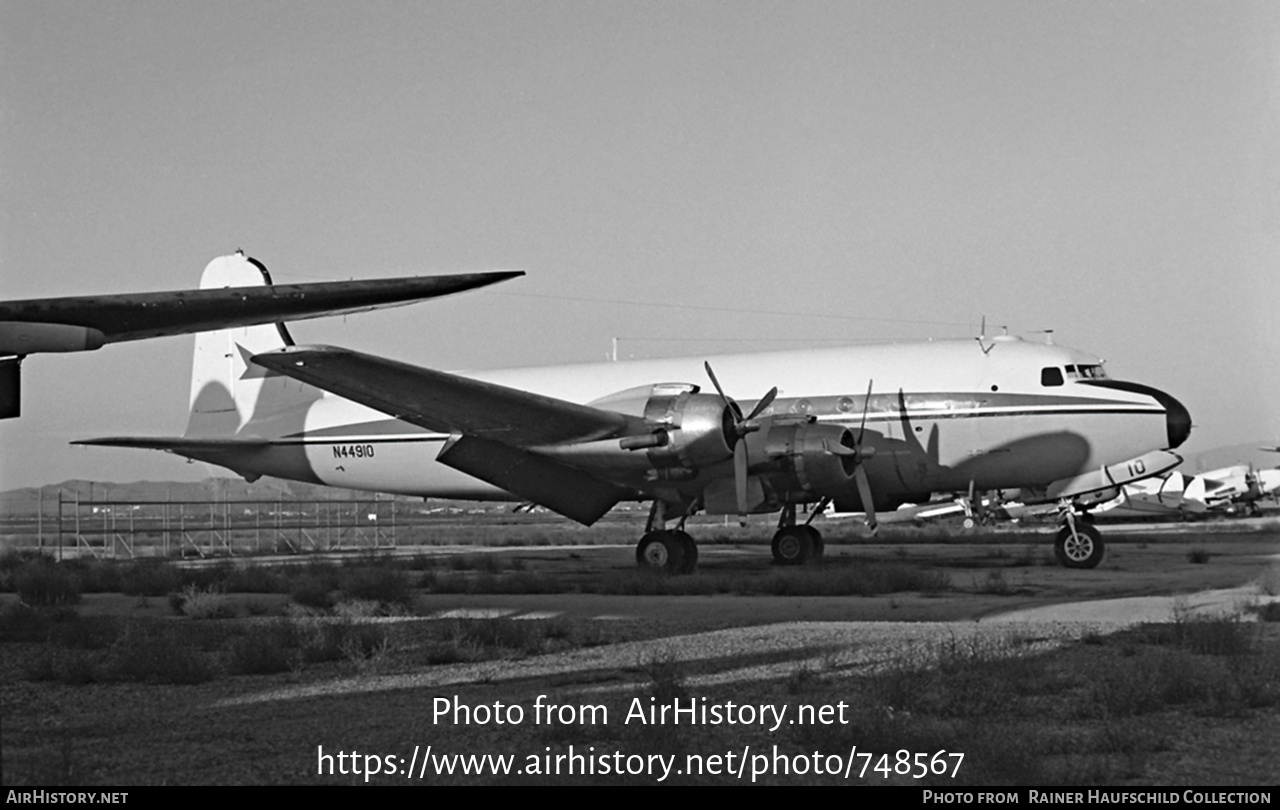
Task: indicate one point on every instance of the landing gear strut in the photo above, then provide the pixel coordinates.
(1077, 544)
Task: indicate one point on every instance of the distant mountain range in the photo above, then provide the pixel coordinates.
(1244, 453)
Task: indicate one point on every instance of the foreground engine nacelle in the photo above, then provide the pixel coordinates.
(804, 460)
(685, 432)
(691, 431)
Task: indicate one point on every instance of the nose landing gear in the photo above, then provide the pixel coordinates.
(1078, 544)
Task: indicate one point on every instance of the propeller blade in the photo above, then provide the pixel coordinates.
(715, 382)
(866, 405)
(864, 492)
(764, 403)
(740, 465)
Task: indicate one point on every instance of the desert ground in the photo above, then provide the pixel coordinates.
(908, 659)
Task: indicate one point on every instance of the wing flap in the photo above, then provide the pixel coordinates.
(445, 402)
(563, 489)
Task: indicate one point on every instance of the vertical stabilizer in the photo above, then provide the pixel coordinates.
(230, 397)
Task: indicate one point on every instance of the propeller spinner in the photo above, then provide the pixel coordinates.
(739, 428)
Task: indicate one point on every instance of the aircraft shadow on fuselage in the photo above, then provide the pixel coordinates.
(917, 472)
(216, 415)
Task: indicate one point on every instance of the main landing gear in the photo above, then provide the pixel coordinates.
(673, 551)
(796, 544)
(1077, 544)
(669, 551)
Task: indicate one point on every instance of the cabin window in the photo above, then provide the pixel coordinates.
(1051, 375)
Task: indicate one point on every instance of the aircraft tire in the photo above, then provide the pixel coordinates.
(819, 546)
(662, 552)
(1085, 550)
(792, 545)
(690, 549)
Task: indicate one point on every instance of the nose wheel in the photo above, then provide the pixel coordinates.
(1078, 545)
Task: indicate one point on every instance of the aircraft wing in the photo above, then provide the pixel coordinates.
(493, 426)
(445, 402)
(87, 322)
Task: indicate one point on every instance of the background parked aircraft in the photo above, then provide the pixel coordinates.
(1238, 489)
(85, 323)
(1235, 489)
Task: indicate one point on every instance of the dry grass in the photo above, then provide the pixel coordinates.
(1191, 699)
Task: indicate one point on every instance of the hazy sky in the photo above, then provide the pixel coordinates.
(692, 177)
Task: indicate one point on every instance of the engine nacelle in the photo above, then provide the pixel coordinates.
(797, 462)
(21, 337)
(692, 431)
(689, 430)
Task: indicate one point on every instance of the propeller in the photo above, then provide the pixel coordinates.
(742, 425)
(860, 471)
(860, 455)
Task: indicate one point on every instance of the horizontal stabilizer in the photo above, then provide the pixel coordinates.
(230, 453)
(445, 402)
(563, 489)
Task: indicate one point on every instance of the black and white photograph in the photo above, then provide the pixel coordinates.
(686, 392)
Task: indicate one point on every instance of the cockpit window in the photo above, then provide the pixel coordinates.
(1087, 372)
(1051, 375)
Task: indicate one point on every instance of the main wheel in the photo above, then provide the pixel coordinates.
(1083, 550)
(690, 549)
(792, 545)
(819, 546)
(661, 551)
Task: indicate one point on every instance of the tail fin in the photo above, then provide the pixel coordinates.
(230, 397)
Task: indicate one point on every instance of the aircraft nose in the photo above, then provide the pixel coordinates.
(1177, 419)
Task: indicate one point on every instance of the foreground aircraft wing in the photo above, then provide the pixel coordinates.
(88, 322)
(85, 323)
(495, 429)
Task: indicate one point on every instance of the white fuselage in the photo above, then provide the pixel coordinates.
(941, 416)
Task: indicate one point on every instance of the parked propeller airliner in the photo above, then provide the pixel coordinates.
(860, 428)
